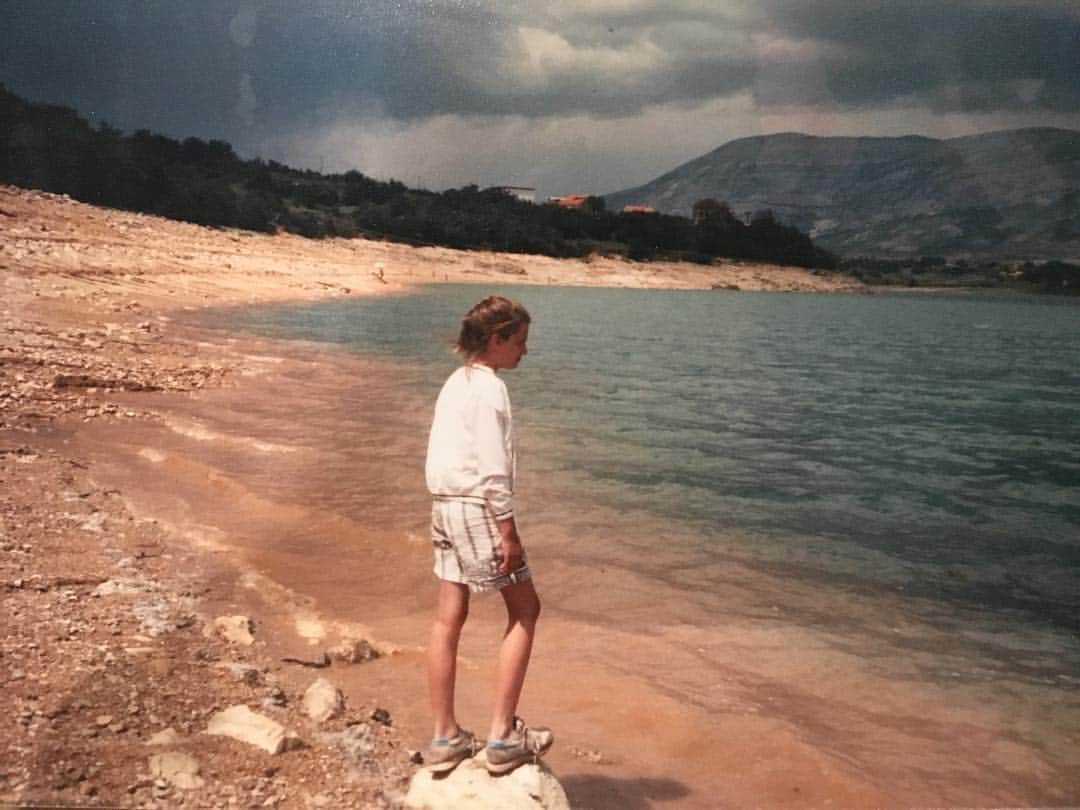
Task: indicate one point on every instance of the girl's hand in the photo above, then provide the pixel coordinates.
(511, 552)
(512, 556)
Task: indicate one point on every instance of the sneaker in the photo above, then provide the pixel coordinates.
(444, 754)
(523, 745)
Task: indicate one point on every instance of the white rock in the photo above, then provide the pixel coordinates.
(123, 586)
(93, 523)
(241, 723)
(166, 736)
(323, 701)
(234, 629)
(155, 616)
(529, 787)
(178, 768)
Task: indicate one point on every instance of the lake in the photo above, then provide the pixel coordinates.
(896, 476)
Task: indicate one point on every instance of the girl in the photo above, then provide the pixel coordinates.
(470, 473)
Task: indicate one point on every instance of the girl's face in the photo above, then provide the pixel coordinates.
(506, 353)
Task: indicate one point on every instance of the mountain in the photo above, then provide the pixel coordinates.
(1010, 194)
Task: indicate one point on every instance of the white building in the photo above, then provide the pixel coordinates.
(523, 193)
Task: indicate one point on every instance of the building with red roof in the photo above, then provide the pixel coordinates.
(570, 201)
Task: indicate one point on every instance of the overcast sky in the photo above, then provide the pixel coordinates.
(569, 97)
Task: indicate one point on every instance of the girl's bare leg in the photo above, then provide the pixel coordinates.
(522, 611)
(451, 610)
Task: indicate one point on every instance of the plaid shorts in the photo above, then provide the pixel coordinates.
(468, 547)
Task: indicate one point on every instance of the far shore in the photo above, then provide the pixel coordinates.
(73, 247)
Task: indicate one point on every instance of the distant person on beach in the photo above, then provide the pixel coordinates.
(470, 473)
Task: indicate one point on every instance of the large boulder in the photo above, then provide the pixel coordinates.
(530, 787)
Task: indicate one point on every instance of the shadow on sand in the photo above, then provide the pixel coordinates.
(588, 791)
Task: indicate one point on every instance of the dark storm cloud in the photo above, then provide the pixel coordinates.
(613, 59)
(258, 71)
(132, 63)
(403, 58)
(971, 56)
(213, 66)
(411, 60)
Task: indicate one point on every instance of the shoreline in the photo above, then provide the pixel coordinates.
(97, 303)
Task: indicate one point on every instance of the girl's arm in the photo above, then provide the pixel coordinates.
(496, 468)
(494, 463)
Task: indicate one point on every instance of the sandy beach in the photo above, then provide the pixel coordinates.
(158, 474)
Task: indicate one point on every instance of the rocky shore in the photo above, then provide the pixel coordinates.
(118, 670)
(126, 650)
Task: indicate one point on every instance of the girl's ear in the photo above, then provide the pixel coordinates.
(489, 345)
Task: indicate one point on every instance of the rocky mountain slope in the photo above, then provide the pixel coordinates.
(1011, 194)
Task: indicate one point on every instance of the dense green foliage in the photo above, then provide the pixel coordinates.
(938, 272)
(51, 148)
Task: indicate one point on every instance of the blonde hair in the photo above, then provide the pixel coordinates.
(494, 315)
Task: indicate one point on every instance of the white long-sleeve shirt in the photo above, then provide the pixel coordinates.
(471, 445)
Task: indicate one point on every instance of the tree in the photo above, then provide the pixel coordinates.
(764, 220)
(711, 210)
(594, 205)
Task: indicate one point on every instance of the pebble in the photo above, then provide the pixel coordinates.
(277, 697)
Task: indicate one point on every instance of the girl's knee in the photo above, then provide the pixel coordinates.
(525, 608)
(531, 614)
(452, 619)
(452, 605)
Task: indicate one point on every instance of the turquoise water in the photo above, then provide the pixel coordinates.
(924, 447)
